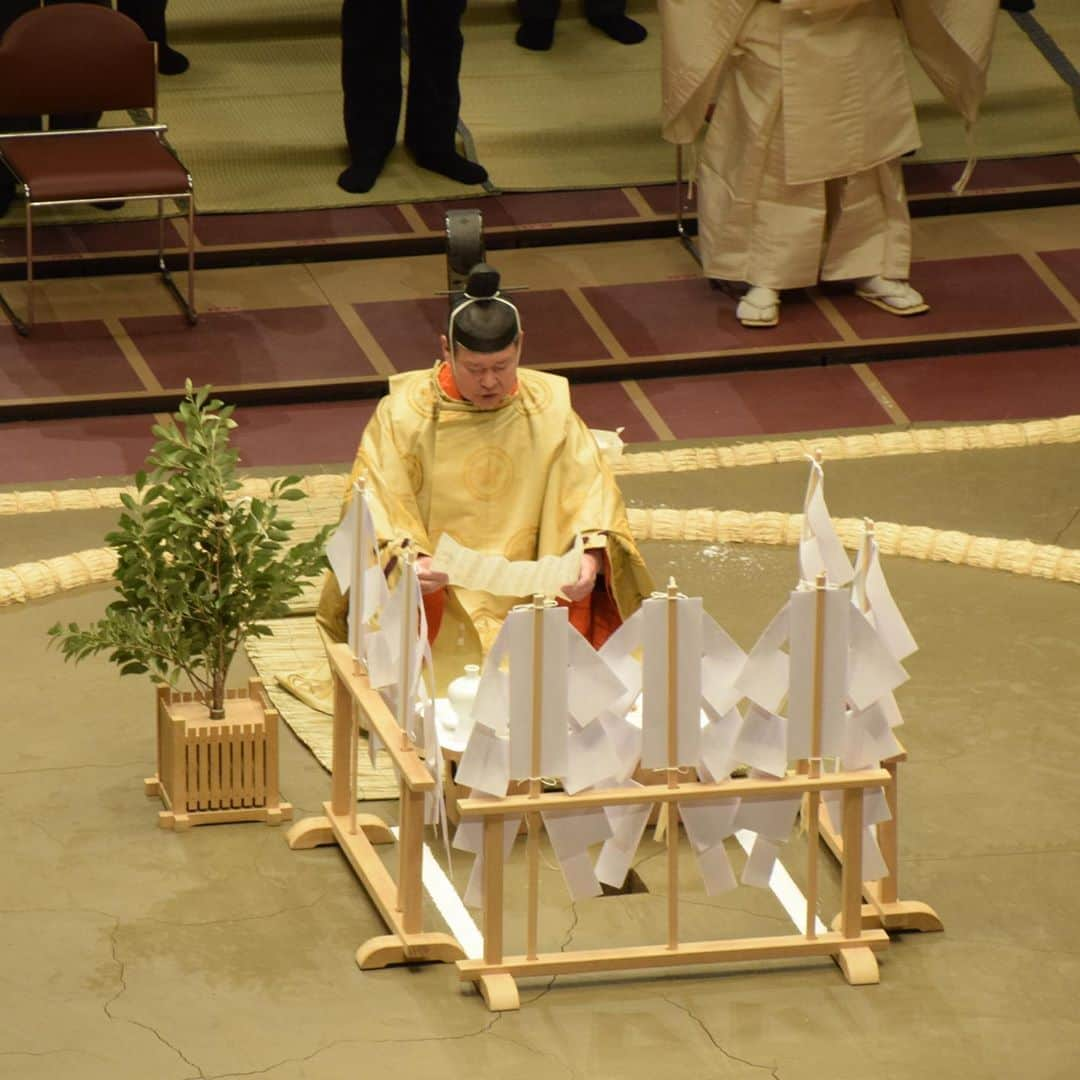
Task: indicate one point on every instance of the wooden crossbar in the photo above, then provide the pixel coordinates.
(633, 957)
(692, 792)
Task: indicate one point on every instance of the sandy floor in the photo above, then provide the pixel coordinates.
(132, 952)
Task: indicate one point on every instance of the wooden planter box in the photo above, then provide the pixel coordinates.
(213, 771)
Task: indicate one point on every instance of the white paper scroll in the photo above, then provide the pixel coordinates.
(820, 549)
(591, 758)
(764, 676)
(470, 838)
(871, 595)
(485, 764)
(549, 688)
(759, 866)
(875, 808)
(874, 672)
(718, 746)
(832, 663)
(571, 837)
(869, 739)
(593, 687)
(622, 653)
(722, 663)
(352, 552)
(686, 679)
(771, 818)
(716, 870)
(709, 824)
(628, 821)
(762, 741)
(497, 575)
(625, 740)
(771, 821)
(707, 827)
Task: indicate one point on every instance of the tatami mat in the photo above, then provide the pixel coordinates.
(295, 647)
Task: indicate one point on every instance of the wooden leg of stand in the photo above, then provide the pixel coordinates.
(309, 833)
(813, 799)
(500, 992)
(673, 874)
(493, 889)
(410, 856)
(342, 769)
(851, 871)
(859, 965)
(888, 838)
(388, 949)
(532, 845)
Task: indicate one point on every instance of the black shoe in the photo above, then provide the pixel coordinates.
(360, 176)
(1017, 5)
(109, 204)
(171, 62)
(536, 34)
(452, 165)
(621, 28)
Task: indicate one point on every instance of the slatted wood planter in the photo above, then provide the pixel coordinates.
(214, 771)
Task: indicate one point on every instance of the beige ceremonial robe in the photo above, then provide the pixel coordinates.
(522, 480)
(799, 178)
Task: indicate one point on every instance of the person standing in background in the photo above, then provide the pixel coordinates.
(808, 113)
(371, 81)
(150, 15)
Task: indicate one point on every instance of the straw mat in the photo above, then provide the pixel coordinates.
(297, 647)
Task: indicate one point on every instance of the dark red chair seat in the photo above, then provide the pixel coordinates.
(114, 164)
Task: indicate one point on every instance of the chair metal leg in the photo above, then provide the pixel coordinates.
(680, 224)
(23, 326)
(187, 305)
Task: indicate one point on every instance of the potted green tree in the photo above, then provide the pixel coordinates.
(200, 568)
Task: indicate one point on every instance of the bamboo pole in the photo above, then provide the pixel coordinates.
(851, 869)
(533, 819)
(404, 701)
(814, 797)
(673, 762)
(493, 890)
(404, 704)
(356, 638)
(356, 599)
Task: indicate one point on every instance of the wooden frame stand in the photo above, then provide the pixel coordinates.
(215, 771)
(883, 907)
(400, 902)
(851, 945)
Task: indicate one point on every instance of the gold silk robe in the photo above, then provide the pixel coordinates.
(799, 176)
(521, 480)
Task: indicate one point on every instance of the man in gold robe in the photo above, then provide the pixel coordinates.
(494, 455)
(809, 112)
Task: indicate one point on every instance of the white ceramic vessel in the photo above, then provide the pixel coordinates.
(462, 694)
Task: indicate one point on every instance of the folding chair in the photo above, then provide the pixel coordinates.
(81, 58)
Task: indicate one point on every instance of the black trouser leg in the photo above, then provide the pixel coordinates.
(149, 14)
(371, 76)
(549, 9)
(538, 9)
(435, 45)
(604, 9)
